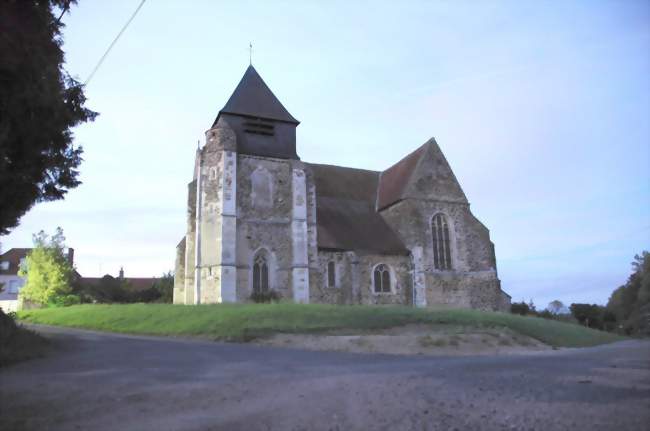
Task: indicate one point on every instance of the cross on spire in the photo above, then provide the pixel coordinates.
(250, 53)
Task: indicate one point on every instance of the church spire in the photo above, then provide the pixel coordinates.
(253, 98)
(261, 125)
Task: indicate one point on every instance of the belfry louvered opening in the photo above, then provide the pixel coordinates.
(441, 242)
(259, 126)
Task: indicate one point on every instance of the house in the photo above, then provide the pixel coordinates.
(10, 263)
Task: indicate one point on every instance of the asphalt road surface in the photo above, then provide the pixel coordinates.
(111, 382)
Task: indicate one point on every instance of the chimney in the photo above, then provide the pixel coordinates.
(121, 273)
(71, 256)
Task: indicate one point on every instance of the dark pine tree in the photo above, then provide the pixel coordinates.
(39, 105)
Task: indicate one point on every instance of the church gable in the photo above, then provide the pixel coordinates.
(423, 174)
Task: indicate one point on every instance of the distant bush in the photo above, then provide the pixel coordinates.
(111, 290)
(265, 297)
(590, 315)
(164, 287)
(520, 308)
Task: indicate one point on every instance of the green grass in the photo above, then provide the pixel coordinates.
(241, 322)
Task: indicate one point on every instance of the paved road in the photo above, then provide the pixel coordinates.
(111, 382)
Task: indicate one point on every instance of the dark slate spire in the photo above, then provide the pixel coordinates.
(253, 98)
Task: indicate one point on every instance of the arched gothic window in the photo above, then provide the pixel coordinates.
(331, 274)
(261, 272)
(441, 242)
(381, 278)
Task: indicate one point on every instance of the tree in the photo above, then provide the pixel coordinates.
(39, 105)
(590, 315)
(556, 306)
(165, 286)
(630, 303)
(48, 272)
(108, 290)
(519, 308)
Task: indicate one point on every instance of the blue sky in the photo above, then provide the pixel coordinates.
(542, 109)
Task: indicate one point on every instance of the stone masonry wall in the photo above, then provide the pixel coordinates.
(354, 279)
(179, 274)
(190, 244)
(264, 208)
(210, 223)
(473, 281)
(342, 291)
(401, 280)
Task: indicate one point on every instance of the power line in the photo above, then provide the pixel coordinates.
(101, 60)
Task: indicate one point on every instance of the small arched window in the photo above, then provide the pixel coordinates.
(331, 274)
(260, 273)
(381, 278)
(441, 242)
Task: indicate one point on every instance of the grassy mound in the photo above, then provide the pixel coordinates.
(17, 343)
(240, 322)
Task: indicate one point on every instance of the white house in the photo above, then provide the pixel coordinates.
(10, 263)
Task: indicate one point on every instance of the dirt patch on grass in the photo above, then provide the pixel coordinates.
(443, 340)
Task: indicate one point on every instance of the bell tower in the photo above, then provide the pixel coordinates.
(263, 127)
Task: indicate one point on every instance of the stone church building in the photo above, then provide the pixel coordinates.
(259, 220)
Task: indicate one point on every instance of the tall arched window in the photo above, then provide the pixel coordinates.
(381, 278)
(441, 242)
(261, 272)
(331, 274)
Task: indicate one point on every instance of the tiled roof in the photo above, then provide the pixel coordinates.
(345, 212)
(393, 181)
(13, 256)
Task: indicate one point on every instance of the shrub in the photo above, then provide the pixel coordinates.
(519, 308)
(265, 297)
(48, 271)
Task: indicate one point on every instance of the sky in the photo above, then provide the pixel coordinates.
(542, 109)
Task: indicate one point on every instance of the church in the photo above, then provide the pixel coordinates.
(262, 223)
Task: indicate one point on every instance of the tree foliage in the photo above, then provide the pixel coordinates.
(520, 308)
(48, 272)
(630, 304)
(165, 287)
(39, 105)
(106, 291)
(590, 315)
(111, 290)
(556, 307)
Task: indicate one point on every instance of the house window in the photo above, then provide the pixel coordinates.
(331, 274)
(13, 286)
(4, 265)
(260, 273)
(381, 278)
(441, 243)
